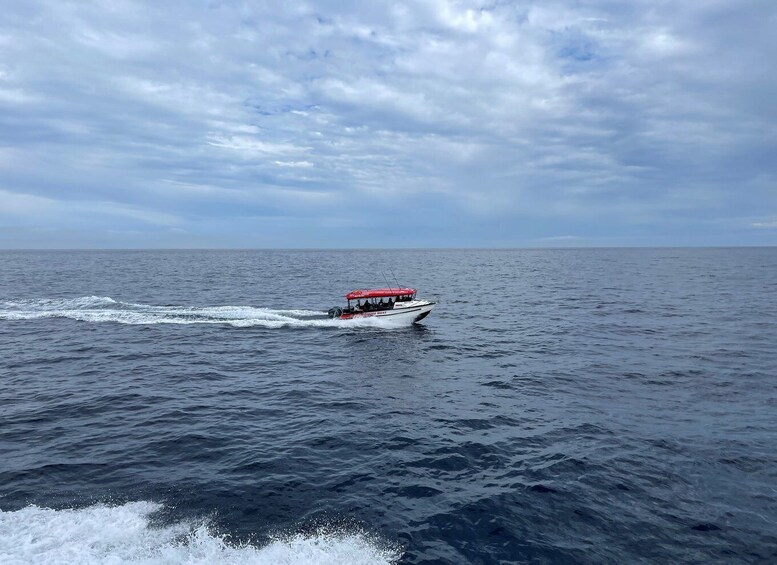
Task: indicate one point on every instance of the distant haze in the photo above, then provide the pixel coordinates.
(387, 124)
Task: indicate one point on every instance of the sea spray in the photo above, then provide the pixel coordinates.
(106, 309)
(103, 534)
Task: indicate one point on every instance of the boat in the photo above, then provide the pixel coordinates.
(396, 304)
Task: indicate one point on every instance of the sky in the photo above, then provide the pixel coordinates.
(426, 123)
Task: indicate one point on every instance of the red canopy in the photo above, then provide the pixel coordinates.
(378, 293)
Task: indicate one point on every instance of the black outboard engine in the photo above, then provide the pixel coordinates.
(335, 312)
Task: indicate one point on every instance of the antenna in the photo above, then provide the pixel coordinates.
(386, 279)
(395, 279)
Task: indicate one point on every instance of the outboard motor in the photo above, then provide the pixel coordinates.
(335, 312)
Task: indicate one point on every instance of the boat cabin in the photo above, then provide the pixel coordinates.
(378, 299)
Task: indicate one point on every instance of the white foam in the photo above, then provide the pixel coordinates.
(122, 534)
(106, 309)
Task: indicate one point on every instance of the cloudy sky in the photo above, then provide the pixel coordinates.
(345, 123)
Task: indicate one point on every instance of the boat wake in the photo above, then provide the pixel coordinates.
(105, 309)
(123, 534)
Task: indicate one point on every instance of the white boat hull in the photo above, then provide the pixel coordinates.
(402, 313)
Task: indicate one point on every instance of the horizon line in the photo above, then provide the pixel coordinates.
(432, 248)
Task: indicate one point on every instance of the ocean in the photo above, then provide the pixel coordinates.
(558, 406)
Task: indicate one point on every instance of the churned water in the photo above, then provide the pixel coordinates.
(559, 406)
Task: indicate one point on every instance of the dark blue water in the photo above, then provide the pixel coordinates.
(560, 406)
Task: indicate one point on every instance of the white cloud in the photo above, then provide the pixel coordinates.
(605, 113)
(18, 96)
(16, 207)
(248, 147)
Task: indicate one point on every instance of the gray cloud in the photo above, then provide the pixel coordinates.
(425, 123)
